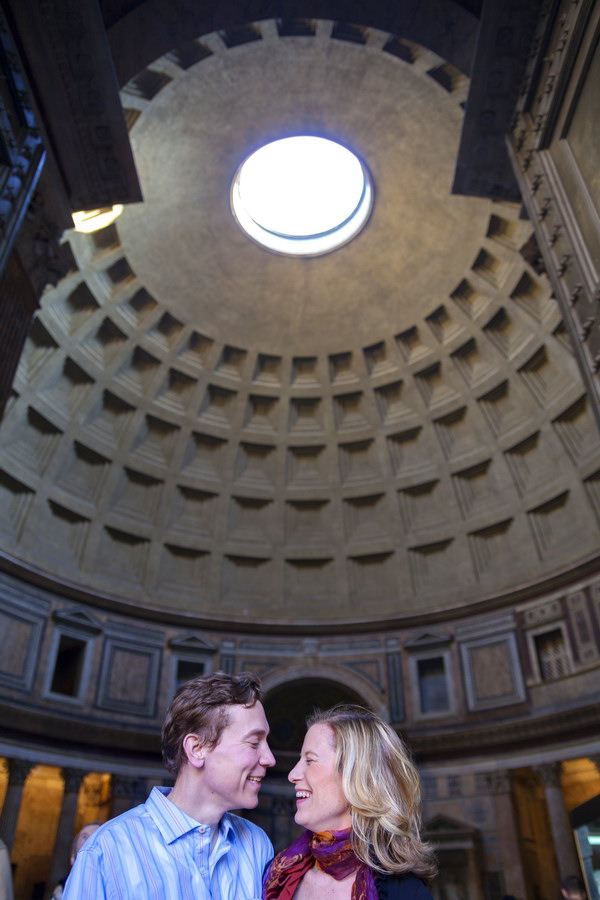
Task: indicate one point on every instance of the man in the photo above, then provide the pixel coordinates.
(183, 843)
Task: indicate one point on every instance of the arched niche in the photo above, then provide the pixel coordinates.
(289, 704)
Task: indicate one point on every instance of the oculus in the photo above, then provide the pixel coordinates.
(302, 195)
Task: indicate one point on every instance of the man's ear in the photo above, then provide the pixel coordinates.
(195, 750)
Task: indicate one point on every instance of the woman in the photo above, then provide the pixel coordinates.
(357, 793)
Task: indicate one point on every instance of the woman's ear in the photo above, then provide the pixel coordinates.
(195, 750)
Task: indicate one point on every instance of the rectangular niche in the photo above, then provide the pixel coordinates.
(16, 500)
(83, 473)
(67, 390)
(373, 576)
(494, 547)
(69, 669)
(431, 566)
(204, 458)
(155, 442)
(366, 518)
(177, 392)
(436, 388)
(504, 408)
(411, 346)
(306, 468)
(507, 335)
(218, 407)
(192, 512)
(458, 434)
(548, 379)
(183, 570)
(470, 300)
(578, 431)
(21, 631)
(137, 496)
(306, 417)
(255, 466)
(341, 368)
(359, 463)
(261, 414)
(122, 555)
(379, 359)
(129, 671)
(196, 353)
(420, 505)
(247, 578)
(390, 404)
(305, 371)
(432, 685)
(268, 370)
(231, 363)
(476, 488)
(107, 421)
(63, 534)
(310, 581)
(75, 310)
(411, 453)
(32, 442)
(550, 652)
(250, 520)
(308, 523)
(550, 522)
(350, 412)
(492, 668)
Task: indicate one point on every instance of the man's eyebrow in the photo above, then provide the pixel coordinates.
(256, 732)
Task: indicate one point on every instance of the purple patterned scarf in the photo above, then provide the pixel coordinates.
(331, 852)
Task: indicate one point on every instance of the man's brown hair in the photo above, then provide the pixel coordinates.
(200, 707)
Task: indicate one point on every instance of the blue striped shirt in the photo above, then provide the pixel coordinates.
(158, 852)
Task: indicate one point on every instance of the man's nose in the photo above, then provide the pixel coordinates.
(267, 758)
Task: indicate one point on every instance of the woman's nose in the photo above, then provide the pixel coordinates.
(294, 774)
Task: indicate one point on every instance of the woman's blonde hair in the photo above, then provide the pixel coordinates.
(382, 787)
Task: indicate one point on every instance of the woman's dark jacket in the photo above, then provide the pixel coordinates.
(401, 887)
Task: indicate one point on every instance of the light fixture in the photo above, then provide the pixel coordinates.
(302, 195)
(90, 220)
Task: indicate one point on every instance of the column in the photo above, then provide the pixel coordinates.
(124, 794)
(507, 830)
(18, 770)
(560, 824)
(61, 858)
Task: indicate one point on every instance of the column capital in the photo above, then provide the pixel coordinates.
(499, 782)
(596, 760)
(124, 786)
(18, 770)
(549, 773)
(72, 779)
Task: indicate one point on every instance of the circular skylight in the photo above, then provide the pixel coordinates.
(302, 196)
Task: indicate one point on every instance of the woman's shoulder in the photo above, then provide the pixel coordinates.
(401, 887)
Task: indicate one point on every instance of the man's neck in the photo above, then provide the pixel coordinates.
(187, 795)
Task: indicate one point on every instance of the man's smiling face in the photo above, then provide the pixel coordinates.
(235, 767)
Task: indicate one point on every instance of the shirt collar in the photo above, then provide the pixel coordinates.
(173, 822)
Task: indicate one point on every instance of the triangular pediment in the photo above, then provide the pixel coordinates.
(428, 639)
(192, 643)
(444, 827)
(78, 619)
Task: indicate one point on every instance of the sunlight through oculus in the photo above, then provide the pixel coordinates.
(302, 196)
